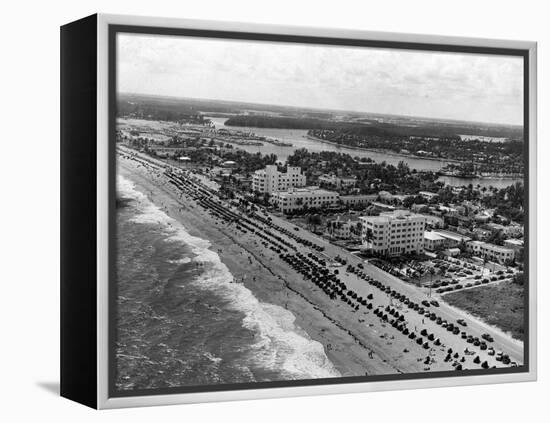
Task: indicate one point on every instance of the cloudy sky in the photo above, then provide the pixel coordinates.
(438, 85)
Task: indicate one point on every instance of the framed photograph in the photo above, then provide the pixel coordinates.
(254, 211)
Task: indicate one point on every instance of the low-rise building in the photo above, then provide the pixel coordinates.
(491, 252)
(433, 241)
(269, 179)
(452, 252)
(428, 195)
(393, 234)
(452, 239)
(304, 198)
(337, 182)
(357, 200)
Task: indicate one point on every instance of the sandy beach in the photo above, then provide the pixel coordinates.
(269, 283)
(356, 342)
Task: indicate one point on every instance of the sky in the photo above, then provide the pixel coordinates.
(481, 88)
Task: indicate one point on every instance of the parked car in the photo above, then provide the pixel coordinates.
(461, 322)
(487, 337)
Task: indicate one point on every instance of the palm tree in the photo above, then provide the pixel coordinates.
(432, 273)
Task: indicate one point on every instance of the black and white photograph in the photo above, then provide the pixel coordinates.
(307, 210)
(291, 211)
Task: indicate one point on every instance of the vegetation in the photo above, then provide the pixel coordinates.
(508, 202)
(492, 157)
(501, 305)
(263, 121)
(371, 177)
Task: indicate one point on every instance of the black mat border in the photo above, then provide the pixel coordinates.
(113, 30)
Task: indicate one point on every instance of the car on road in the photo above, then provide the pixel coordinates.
(487, 337)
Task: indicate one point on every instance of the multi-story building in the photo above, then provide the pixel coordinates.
(270, 180)
(491, 252)
(392, 234)
(302, 198)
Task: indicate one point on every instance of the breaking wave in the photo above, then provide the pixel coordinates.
(279, 345)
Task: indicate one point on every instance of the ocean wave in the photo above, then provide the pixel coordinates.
(281, 345)
(183, 260)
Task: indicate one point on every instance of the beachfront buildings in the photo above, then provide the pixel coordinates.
(490, 251)
(270, 180)
(394, 233)
(304, 198)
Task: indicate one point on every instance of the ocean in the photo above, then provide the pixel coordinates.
(180, 319)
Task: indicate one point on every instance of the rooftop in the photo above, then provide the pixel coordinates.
(454, 236)
(518, 242)
(433, 236)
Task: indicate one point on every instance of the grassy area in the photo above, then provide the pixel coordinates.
(500, 305)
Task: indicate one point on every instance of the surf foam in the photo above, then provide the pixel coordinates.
(281, 345)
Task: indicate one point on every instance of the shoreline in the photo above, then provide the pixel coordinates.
(347, 355)
(355, 342)
(409, 156)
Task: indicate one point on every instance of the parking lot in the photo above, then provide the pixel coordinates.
(443, 275)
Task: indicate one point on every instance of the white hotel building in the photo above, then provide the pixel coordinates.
(270, 180)
(490, 251)
(300, 198)
(393, 234)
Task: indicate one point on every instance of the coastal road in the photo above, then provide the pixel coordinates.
(414, 320)
(502, 342)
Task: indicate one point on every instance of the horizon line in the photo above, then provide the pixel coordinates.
(324, 110)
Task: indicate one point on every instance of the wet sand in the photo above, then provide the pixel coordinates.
(356, 342)
(251, 263)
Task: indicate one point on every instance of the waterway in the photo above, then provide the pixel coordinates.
(299, 139)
